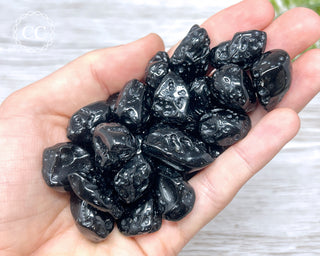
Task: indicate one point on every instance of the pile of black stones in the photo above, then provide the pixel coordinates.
(130, 157)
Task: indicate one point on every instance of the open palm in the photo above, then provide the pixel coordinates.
(36, 220)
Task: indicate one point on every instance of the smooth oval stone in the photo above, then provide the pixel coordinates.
(175, 196)
(176, 149)
(233, 88)
(82, 122)
(92, 189)
(62, 159)
(93, 224)
(133, 179)
(191, 57)
(272, 77)
(244, 49)
(130, 106)
(113, 144)
(140, 218)
(224, 127)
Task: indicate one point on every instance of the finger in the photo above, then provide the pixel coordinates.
(294, 31)
(248, 14)
(93, 76)
(216, 185)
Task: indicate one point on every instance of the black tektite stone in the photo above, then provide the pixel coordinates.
(130, 106)
(244, 49)
(82, 122)
(176, 149)
(140, 218)
(233, 88)
(171, 100)
(224, 127)
(93, 189)
(201, 98)
(62, 159)
(133, 179)
(175, 196)
(191, 58)
(272, 77)
(92, 223)
(113, 144)
(157, 69)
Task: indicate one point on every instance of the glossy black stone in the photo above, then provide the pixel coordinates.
(62, 159)
(244, 49)
(157, 69)
(190, 127)
(82, 122)
(92, 189)
(191, 57)
(93, 224)
(176, 149)
(113, 144)
(272, 77)
(171, 99)
(224, 127)
(175, 196)
(140, 218)
(133, 179)
(201, 98)
(111, 102)
(130, 106)
(233, 88)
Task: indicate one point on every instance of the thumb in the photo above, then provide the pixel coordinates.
(91, 77)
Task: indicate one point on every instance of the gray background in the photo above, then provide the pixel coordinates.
(275, 213)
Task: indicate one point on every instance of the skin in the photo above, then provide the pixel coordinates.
(35, 220)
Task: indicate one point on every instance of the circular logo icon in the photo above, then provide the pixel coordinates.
(34, 31)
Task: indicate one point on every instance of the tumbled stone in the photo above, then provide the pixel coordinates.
(175, 196)
(272, 77)
(176, 149)
(244, 49)
(113, 144)
(233, 88)
(92, 189)
(201, 98)
(82, 122)
(157, 69)
(92, 223)
(62, 159)
(133, 179)
(140, 218)
(171, 99)
(224, 127)
(191, 57)
(130, 106)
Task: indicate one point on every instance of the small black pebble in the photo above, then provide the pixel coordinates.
(272, 77)
(62, 159)
(93, 224)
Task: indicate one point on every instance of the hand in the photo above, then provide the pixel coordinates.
(35, 219)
